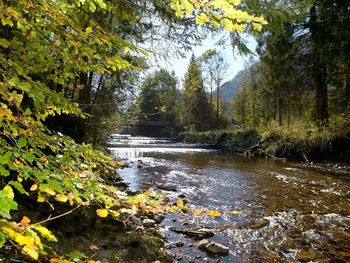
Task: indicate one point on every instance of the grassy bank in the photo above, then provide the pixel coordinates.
(298, 142)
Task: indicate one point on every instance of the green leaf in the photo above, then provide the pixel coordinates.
(22, 142)
(257, 26)
(28, 112)
(19, 187)
(6, 21)
(76, 256)
(3, 171)
(44, 232)
(4, 43)
(101, 4)
(2, 239)
(92, 7)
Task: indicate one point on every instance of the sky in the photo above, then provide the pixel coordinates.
(235, 61)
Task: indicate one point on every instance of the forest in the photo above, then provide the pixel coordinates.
(72, 72)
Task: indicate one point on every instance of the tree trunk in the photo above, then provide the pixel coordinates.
(319, 71)
(217, 104)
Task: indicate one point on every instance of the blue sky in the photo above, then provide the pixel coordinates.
(235, 61)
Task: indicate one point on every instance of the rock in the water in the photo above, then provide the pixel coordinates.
(179, 244)
(217, 249)
(194, 233)
(169, 257)
(159, 218)
(148, 222)
(203, 244)
(167, 187)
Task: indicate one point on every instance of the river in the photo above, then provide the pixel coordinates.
(272, 211)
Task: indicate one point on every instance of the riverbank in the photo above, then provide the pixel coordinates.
(310, 147)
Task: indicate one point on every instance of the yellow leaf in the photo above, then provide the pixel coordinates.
(180, 203)
(257, 26)
(198, 212)
(126, 51)
(31, 251)
(234, 213)
(44, 232)
(214, 213)
(62, 198)
(50, 191)
(102, 212)
(41, 199)
(88, 30)
(228, 24)
(9, 192)
(115, 213)
(25, 221)
(202, 18)
(33, 187)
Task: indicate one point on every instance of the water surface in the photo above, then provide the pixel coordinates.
(282, 212)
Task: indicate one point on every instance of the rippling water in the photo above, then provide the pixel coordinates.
(283, 212)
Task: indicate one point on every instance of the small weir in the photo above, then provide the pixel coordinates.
(272, 211)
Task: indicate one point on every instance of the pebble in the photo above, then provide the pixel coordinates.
(167, 187)
(159, 218)
(203, 244)
(136, 221)
(179, 244)
(148, 222)
(217, 248)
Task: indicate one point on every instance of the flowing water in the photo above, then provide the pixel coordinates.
(272, 211)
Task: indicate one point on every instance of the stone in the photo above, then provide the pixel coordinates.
(170, 246)
(194, 233)
(167, 187)
(136, 221)
(203, 244)
(139, 228)
(154, 232)
(179, 244)
(181, 196)
(169, 257)
(159, 218)
(148, 222)
(217, 249)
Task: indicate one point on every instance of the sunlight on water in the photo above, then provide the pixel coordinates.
(286, 213)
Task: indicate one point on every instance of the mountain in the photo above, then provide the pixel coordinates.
(229, 89)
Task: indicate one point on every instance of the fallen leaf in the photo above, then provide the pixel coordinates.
(102, 212)
(214, 213)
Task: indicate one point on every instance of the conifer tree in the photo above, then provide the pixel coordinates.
(196, 105)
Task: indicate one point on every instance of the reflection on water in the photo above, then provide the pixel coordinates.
(288, 213)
